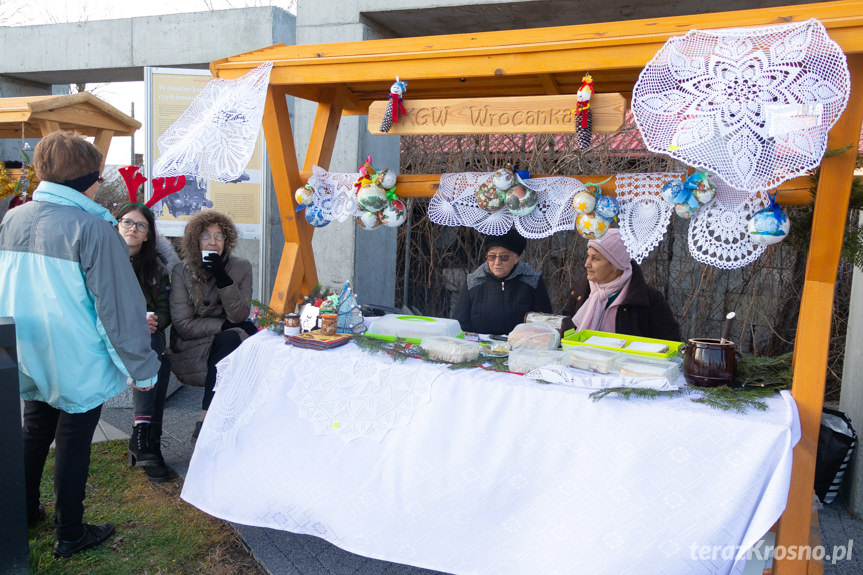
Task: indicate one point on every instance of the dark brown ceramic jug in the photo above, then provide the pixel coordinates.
(709, 362)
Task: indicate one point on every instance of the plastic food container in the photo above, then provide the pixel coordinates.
(590, 359)
(413, 328)
(451, 349)
(537, 335)
(525, 360)
(646, 367)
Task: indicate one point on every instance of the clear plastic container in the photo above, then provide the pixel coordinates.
(525, 360)
(537, 335)
(413, 328)
(451, 349)
(647, 367)
(592, 359)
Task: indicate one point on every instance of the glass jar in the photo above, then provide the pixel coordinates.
(329, 323)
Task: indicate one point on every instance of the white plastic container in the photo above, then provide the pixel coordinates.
(647, 367)
(525, 360)
(451, 349)
(592, 359)
(413, 327)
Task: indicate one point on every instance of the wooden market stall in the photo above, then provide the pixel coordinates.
(347, 78)
(37, 116)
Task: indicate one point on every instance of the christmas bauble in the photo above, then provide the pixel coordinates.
(701, 187)
(521, 200)
(766, 228)
(304, 195)
(489, 198)
(671, 191)
(368, 220)
(503, 179)
(385, 178)
(583, 202)
(315, 216)
(685, 210)
(591, 226)
(394, 214)
(372, 198)
(607, 207)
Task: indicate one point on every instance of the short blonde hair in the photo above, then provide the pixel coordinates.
(62, 156)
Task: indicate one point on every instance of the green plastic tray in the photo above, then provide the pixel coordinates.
(572, 338)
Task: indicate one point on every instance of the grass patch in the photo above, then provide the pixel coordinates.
(157, 532)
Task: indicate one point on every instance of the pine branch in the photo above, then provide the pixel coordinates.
(630, 392)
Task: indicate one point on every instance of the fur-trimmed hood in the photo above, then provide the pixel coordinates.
(191, 245)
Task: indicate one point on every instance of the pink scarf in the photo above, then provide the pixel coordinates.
(593, 314)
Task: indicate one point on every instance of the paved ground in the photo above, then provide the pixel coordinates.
(290, 554)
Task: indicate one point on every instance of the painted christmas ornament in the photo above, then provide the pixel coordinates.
(304, 195)
(503, 179)
(591, 226)
(394, 214)
(768, 226)
(685, 210)
(584, 202)
(315, 216)
(372, 198)
(607, 207)
(489, 198)
(701, 187)
(672, 191)
(521, 200)
(385, 178)
(368, 220)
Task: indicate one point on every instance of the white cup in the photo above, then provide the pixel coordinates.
(205, 253)
(150, 314)
(292, 330)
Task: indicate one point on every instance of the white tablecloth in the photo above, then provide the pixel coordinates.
(495, 474)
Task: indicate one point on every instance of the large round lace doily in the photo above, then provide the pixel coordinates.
(753, 105)
(644, 215)
(718, 234)
(454, 204)
(215, 137)
(352, 395)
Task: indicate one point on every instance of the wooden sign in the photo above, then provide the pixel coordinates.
(515, 115)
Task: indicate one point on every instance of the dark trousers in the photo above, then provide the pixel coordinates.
(224, 343)
(152, 402)
(73, 433)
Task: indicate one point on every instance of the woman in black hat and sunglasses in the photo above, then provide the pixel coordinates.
(498, 294)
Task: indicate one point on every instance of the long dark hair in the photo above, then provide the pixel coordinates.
(145, 262)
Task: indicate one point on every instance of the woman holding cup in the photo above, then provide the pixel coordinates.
(152, 259)
(210, 293)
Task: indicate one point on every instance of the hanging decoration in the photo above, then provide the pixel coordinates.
(687, 197)
(394, 106)
(719, 232)
(377, 199)
(770, 225)
(582, 115)
(216, 136)
(595, 211)
(305, 195)
(751, 105)
(644, 215)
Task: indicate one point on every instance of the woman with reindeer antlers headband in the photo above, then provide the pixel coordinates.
(152, 259)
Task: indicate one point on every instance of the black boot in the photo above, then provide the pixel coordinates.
(140, 449)
(158, 473)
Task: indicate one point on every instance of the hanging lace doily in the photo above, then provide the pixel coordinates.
(215, 137)
(719, 235)
(335, 194)
(753, 105)
(644, 215)
(352, 395)
(454, 204)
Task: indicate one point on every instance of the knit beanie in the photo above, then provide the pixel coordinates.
(611, 246)
(511, 240)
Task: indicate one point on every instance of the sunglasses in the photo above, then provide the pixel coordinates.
(129, 224)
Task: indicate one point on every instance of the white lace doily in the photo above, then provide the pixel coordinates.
(353, 395)
(215, 137)
(454, 204)
(753, 105)
(335, 194)
(644, 215)
(719, 234)
(561, 375)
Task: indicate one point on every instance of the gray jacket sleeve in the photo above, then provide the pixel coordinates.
(119, 302)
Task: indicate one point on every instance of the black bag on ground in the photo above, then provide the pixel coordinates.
(836, 442)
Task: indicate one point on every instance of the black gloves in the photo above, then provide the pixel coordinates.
(246, 326)
(214, 263)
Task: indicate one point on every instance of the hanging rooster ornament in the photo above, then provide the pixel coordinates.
(162, 187)
(394, 106)
(581, 114)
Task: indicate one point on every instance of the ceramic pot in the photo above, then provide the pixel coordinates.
(709, 362)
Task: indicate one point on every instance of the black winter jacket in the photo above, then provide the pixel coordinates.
(644, 312)
(490, 305)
